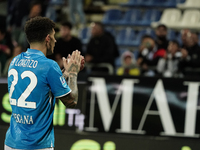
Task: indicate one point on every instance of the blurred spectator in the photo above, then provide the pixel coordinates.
(76, 6)
(184, 34)
(66, 44)
(17, 9)
(3, 12)
(168, 65)
(51, 10)
(6, 46)
(191, 53)
(161, 37)
(148, 56)
(115, 46)
(3, 8)
(100, 48)
(129, 66)
(16, 51)
(35, 10)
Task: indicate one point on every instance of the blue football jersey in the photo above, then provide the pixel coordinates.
(34, 82)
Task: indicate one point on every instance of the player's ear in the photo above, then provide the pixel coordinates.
(47, 39)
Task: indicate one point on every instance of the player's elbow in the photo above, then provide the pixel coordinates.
(73, 100)
(71, 105)
(70, 100)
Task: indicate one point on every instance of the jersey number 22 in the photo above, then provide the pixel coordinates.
(21, 102)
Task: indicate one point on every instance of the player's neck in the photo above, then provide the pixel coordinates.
(39, 46)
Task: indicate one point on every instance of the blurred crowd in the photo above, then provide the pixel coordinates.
(161, 57)
(158, 56)
(15, 13)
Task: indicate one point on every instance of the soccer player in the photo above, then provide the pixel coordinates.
(34, 81)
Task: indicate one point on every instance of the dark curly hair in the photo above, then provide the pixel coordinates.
(38, 28)
(67, 24)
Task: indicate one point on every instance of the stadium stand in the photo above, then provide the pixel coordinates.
(131, 17)
(132, 3)
(56, 2)
(150, 15)
(190, 19)
(84, 35)
(153, 3)
(170, 18)
(172, 3)
(111, 30)
(125, 37)
(189, 4)
(111, 17)
(140, 34)
(171, 35)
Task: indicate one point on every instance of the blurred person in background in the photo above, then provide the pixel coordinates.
(76, 7)
(129, 66)
(35, 10)
(16, 51)
(100, 48)
(190, 53)
(185, 33)
(3, 12)
(168, 65)
(6, 47)
(17, 9)
(161, 37)
(149, 55)
(115, 46)
(66, 44)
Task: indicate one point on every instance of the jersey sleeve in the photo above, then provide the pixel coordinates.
(57, 82)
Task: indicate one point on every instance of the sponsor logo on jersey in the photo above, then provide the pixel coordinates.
(62, 79)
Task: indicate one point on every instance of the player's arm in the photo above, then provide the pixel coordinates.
(72, 67)
(71, 99)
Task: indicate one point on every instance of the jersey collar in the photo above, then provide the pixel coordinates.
(35, 51)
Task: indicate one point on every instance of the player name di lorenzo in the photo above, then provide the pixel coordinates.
(30, 63)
